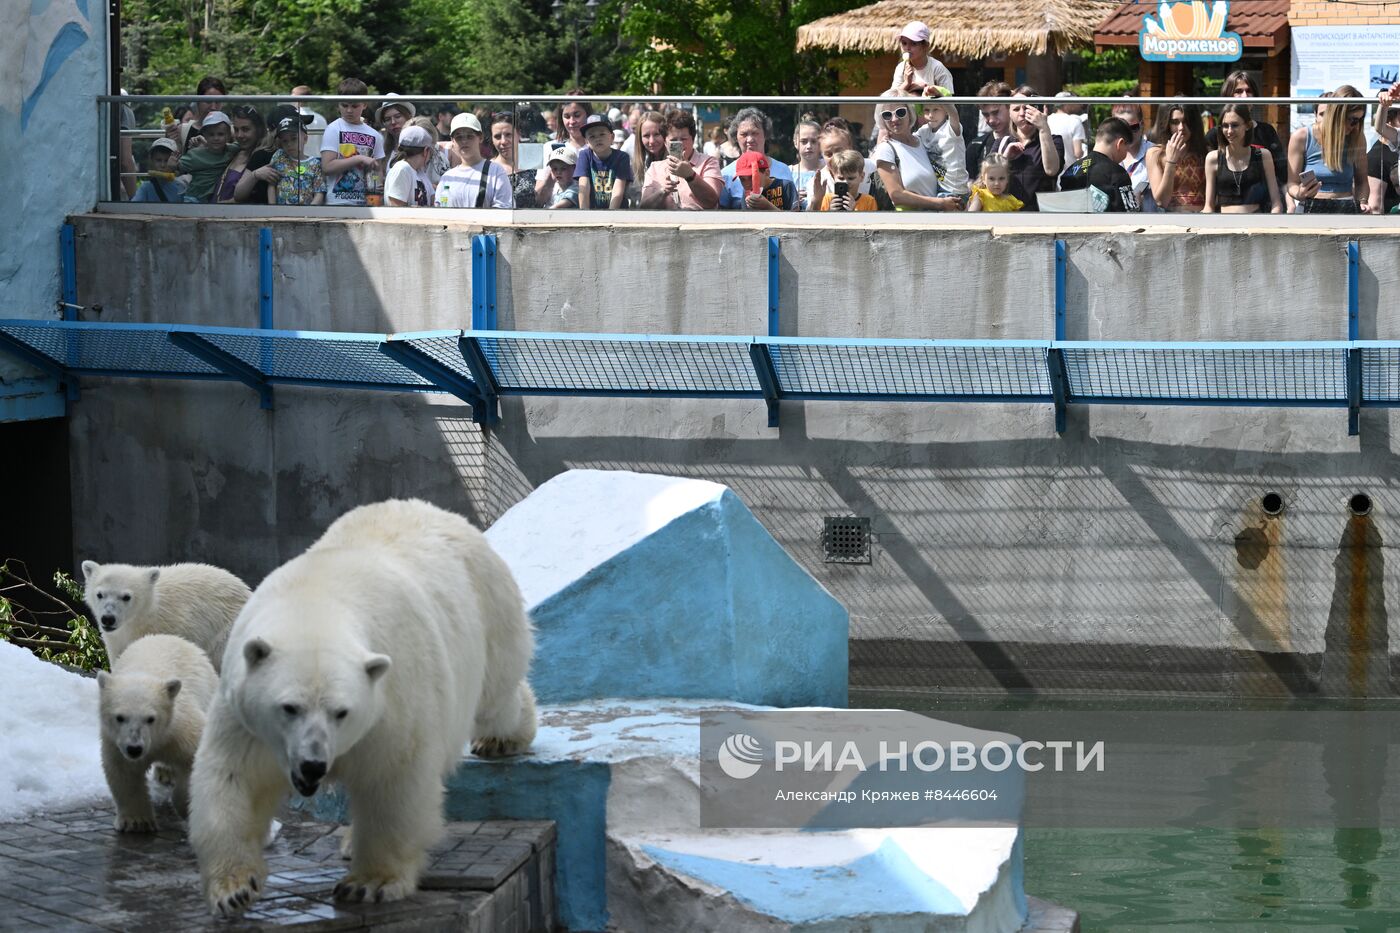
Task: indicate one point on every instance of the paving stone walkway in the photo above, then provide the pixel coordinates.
(73, 871)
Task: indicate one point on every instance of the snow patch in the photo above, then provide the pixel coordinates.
(581, 518)
(50, 746)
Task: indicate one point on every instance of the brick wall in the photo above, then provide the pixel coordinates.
(1341, 13)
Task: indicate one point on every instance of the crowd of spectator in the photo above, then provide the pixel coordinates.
(921, 157)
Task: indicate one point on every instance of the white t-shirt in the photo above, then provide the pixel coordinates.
(809, 202)
(933, 74)
(314, 130)
(348, 189)
(952, 150)
(915, 170)
(1069, 127)
(405, 183)
(461, 187)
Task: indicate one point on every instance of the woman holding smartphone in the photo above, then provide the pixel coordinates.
(903, 163)
(1327, 161)
(685, 179)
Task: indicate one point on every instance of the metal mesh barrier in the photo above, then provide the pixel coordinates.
(1380, 373)
(134, 350)
(342, 359)
(607, 364)
(1303, 372)
(994, 369)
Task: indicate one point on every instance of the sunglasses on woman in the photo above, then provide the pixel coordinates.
(898, 113)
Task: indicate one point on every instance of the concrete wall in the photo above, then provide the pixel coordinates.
(1129, 553)
(52, 61)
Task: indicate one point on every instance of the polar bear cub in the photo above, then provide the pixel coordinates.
(371, 660)
(197, 602)
(152, 707)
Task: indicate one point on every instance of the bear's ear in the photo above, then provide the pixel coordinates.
(155, 574)
(376, 665)
(255, 651)
(90, 568)
(102, 678)
(172, 688)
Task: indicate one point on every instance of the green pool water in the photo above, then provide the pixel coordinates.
(1199, 878)
(1214, 879)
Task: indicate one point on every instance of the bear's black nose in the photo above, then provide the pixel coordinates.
(109, 622)
(312, 771)
(133, 751)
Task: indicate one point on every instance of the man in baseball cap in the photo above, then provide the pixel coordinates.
(918, 69)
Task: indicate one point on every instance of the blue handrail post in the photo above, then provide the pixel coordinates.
(1055, 358)
(1353, 333)
(489, 266)
(68, 262)
(68, 267)
(766, 363)
(488, 412)
(478, 284)
(265, 318)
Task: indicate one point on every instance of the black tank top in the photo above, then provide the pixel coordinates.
(1246, 187)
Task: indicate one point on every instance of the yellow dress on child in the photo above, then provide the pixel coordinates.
(998, 203)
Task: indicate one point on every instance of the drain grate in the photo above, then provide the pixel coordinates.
(846, 540)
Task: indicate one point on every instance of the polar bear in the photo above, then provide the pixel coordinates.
(370, 660)
(152, 707)
(197, 602)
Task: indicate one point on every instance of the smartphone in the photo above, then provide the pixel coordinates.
(1307, 178)
(676, 148)
(841, 189)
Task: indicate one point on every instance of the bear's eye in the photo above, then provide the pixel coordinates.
(150, 720)
(291, 709)
(341, 714)
(121, 720)
(100, 595)
(126, 597)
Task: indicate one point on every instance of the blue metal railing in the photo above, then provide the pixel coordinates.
(480, 366)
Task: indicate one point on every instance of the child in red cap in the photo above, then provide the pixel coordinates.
(753, 189)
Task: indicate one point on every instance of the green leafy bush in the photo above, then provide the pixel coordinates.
(49, 625)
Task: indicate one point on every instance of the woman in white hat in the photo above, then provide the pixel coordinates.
(392, 116)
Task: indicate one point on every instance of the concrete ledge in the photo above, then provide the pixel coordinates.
(1306, 224)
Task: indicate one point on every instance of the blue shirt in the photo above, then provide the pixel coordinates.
(781, 192)
(603, 173)
(174, 191)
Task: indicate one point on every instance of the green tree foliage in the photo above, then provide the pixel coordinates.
(726, 46)
(48, 622)
(411, 46)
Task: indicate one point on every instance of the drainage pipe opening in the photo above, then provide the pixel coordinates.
(1271, 503)
(1360, 504)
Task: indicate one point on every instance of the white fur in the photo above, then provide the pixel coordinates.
(403, 618)
(197, 602)
(154, 700)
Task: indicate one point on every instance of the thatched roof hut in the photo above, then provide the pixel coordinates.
(962, 28)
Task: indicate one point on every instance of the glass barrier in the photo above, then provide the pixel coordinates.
(833, 155)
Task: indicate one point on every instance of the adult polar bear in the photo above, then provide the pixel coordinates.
(371, 660)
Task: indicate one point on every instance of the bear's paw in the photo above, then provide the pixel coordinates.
(497, 748)
(234, 893)
(135, 824)
(378, 889)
